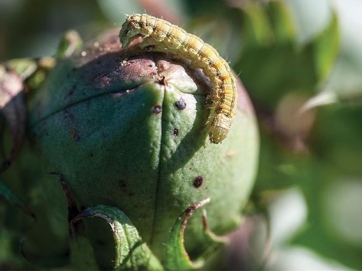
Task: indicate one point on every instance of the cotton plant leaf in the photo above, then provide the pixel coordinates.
(343, 85)
(327, 47)
(177, 257)
(128, 251)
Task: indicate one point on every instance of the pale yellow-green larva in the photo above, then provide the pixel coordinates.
(163, 36)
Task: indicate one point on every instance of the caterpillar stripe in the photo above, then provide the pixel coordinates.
(166, 37)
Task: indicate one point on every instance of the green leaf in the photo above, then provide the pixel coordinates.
(326, 48)
(176, 255)
(257, 29)
(128, 251)
(281, 21)
(344, 85)
(272, 64)
(336, 158)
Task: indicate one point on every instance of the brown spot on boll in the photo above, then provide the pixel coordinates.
(198, 181)
(157, 109)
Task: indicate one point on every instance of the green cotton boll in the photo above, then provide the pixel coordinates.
(128, 130)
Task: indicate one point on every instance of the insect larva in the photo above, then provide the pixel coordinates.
(163, 36)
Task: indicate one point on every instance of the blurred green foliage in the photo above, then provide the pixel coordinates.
(302, 66)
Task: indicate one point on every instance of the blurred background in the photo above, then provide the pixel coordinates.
(301, 62)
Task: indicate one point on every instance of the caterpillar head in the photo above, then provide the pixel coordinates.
(130, 29)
